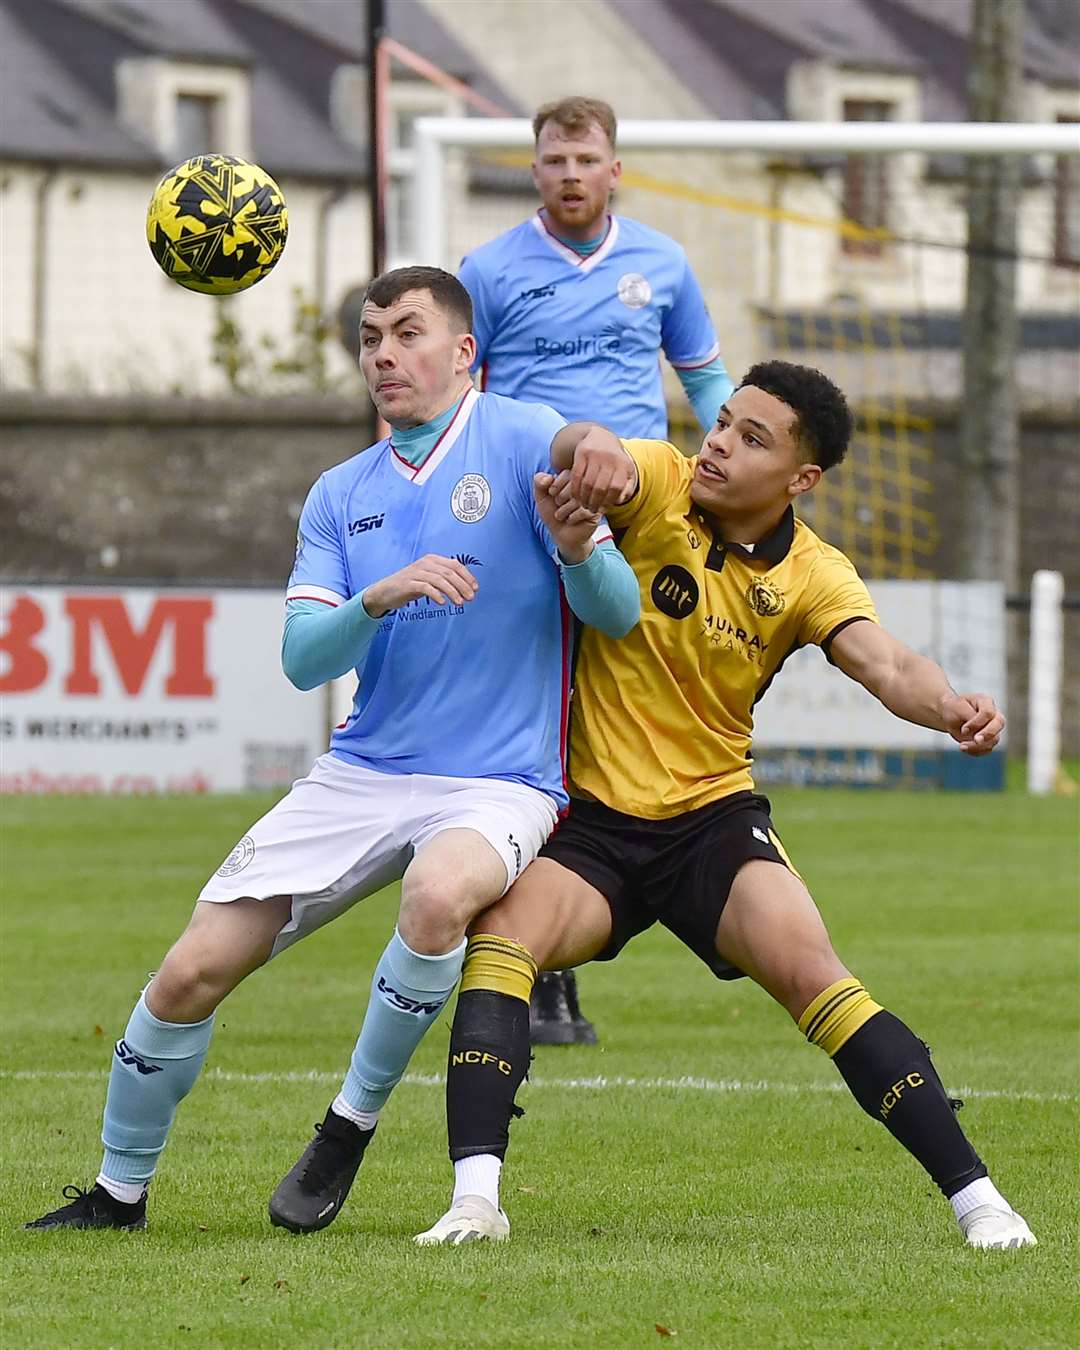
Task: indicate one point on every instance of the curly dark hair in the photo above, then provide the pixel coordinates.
(823, 420)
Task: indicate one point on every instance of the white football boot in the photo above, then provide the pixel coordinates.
(996, 1229)
(470, 1219)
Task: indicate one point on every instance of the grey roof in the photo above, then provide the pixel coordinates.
(47, 116)
(341, 24)
(58, 91)
(58, 85)
(720, 85)
(1051, 32)
(845, 31)
(734, 55)
(188, 28)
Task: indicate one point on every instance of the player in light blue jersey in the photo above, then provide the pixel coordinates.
(437, 566)
(574, 306)
(573, 309)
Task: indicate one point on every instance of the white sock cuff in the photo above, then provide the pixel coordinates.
(127, 1192)
(363, 1120)
(981, 1192)
(478, 1175)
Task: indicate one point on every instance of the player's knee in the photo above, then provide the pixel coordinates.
(810, 975)
(183, 990)
(434, 913)
(192, 981)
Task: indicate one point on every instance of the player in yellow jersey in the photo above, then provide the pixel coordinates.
(665, 825)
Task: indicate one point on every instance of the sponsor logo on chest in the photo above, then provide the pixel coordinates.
(366, 523)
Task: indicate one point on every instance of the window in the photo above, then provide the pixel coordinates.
(866, 183)
(1067, 207)
(196, 125)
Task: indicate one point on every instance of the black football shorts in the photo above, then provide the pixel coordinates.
(677, 872)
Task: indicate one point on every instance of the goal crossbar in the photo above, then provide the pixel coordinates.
(434, 135)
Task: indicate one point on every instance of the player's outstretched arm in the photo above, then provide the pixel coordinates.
(915, 688)
(603, 474)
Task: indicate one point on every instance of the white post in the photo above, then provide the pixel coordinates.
(429, 195)
(1046, 648)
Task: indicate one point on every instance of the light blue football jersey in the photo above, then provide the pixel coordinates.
(584, 334)
(477, 690)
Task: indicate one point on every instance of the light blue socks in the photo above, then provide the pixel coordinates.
(154, 1068)
(408, 992)
(156, 1064)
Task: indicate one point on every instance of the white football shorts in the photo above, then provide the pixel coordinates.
(344, 832)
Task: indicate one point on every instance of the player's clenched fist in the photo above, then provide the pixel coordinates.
(974, 722)
(602, 473)
(440, 579)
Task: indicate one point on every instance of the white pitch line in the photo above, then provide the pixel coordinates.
(596, 1084)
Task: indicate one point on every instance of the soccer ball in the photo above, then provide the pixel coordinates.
(217, 224)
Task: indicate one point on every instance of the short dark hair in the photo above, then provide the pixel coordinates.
(577, 114)
(823, 420)
(447, 292)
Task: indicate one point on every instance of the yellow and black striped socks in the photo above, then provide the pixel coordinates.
(489, 1045)
(499, 965)
(837, 1014)
(890, 1075)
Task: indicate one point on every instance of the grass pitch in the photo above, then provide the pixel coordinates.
(697, 1176)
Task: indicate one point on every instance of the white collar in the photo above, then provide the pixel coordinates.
(565, 251)
(420, 473)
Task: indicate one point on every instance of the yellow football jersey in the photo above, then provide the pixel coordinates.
(662, 718)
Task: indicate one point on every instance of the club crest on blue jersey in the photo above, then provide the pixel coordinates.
(634, 290)
(471, 498)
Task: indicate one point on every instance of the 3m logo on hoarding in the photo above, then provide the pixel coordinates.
(175, 623)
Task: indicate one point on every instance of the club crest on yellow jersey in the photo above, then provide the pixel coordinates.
(765, 598)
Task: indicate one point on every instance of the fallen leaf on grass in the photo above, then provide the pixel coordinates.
(665, 1331)
(99, 1031)
(244, 1279)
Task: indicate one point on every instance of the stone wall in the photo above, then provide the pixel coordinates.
(164, 490)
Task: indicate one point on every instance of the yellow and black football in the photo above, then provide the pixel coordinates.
(217, 224)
